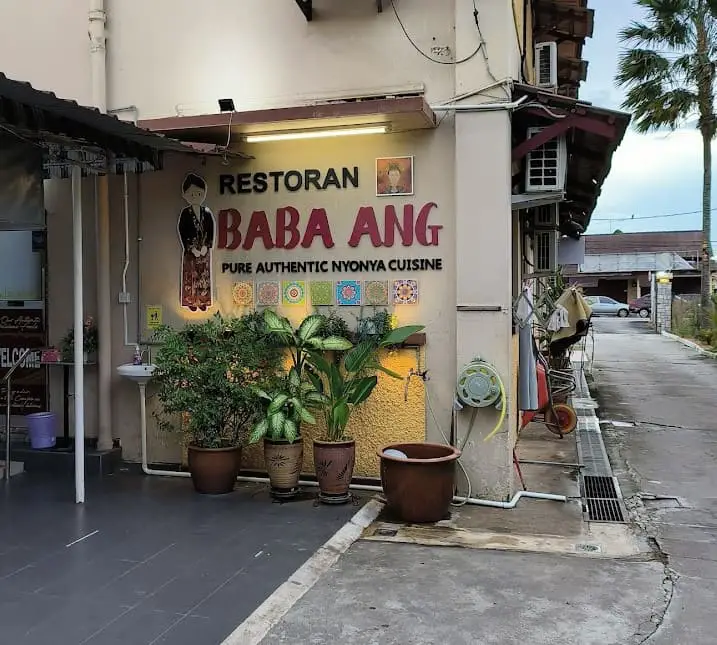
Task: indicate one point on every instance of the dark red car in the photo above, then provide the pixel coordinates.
(641, 306)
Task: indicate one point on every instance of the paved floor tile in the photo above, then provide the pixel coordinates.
(155, 562)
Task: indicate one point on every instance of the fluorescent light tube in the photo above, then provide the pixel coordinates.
(315, 134)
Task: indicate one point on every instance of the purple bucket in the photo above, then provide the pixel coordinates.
(41, 428)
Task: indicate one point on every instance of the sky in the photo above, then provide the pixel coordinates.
(654, 174)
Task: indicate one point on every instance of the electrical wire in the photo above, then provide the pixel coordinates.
(428, 56)
(448, 443)
(635, 219)
(474, 412)
(483, 47)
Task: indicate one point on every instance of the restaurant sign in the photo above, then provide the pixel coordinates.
(409, 224)
(22, 329)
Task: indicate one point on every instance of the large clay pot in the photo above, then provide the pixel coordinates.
(214, 470)
(419, 488)
(283, 462)
(334, 464)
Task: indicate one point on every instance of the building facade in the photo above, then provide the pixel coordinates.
(619, 265)
(352, 155)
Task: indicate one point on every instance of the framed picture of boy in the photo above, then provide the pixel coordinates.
(394, 176)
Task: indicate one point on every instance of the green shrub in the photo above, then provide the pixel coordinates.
(206, 377)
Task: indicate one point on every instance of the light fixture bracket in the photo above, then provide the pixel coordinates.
(226, 105)
(307, 9)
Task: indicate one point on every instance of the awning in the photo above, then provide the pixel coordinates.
(29, 112)
(399, 114)
(532, 200)
(592, 135)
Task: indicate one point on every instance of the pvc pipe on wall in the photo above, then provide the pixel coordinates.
(125, 267)
(177, 473)
(97, 19)
(512, 503)
(480, 107)
(367, 487)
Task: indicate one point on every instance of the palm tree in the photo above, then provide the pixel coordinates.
(669, 72)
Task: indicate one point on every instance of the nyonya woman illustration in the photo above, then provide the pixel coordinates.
(196, 234)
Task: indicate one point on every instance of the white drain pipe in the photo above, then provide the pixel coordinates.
(97, 19)
(367, 487)
(180, 473)
(302, 482)
(512, 503)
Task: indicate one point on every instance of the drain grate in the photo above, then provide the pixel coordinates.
(600, 487)
(604, 510)
(601, 498)
(591, 451)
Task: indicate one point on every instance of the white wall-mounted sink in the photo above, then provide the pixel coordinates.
(137, 373)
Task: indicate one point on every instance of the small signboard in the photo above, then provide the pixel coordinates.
(22, 329)
(154, 317)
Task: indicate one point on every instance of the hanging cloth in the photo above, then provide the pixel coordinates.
(527, 356)
(559, 319)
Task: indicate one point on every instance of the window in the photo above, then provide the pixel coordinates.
(607, 301)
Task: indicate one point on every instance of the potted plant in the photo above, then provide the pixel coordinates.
(205, 376)
(288, 404)
(344, 385)
(89, 342)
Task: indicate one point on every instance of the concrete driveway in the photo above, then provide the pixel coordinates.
(665, 460)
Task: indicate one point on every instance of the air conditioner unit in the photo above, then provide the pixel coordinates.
(546, 65)
(545, 166)
(546, 217)
(546, 251)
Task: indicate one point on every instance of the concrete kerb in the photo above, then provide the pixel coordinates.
(688, 343)
(256, 626)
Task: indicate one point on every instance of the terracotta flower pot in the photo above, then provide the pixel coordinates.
(283, 462)
(419, 488)
(334, 464)
(214, 470)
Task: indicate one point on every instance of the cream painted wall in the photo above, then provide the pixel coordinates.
(484, 280)
(46, 44)
(263, 53)
(161, 202)
(170, 57)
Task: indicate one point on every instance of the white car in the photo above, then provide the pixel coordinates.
(605, 306)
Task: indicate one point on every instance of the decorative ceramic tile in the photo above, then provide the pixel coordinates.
(267, 294)
(243, 294)
(321, 292)
(294, 292)
(405, 292)
(375, 292)
(348, 292)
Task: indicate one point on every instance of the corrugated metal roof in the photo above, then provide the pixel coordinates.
(30, 110)
(626, 262)
(683, 242)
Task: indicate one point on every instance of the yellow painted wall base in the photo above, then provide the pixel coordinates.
(384, 418)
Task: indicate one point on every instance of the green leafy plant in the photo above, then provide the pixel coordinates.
(90, 340)
(288, 405)
(335, 325)
(346, 385)
(669, 69)
(377, 325)
(206, 374)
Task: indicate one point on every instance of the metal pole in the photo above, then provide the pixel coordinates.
(8, 410)
(79, 367)
(7, 433)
